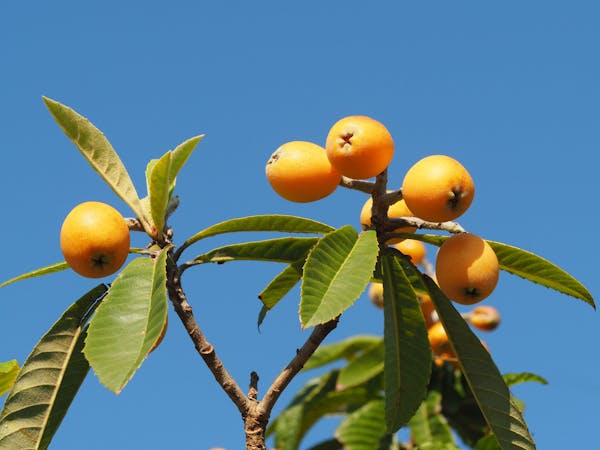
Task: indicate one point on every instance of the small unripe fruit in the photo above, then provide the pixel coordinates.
(359, 147)
(467, 268)
(438, 188)
(94, 239)
(300, 172)
(485, 317)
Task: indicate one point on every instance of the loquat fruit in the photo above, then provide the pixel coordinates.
(484, 317)
(438, 188)
(299, 171)
(413, 248)
(359, 147)
(376, 294)
(395, 211)
(94, 239)
(467, 268)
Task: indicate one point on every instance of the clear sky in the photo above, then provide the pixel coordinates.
(511, 89)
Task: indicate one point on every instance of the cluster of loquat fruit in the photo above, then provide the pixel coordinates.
(436, 189)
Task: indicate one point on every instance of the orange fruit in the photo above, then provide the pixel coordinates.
(376, 294)
(438, 188)
(300, 172)
(467, 268)
(484, 317)
(427, 308)
(359, 147)
(94, 239)
(395, 211)
(413, 248)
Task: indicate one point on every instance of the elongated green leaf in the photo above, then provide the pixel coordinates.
(524, 377)
(428, 425)
(285, 250)
(281, 284)
(529, 266)
(180, 155)
(335, 274)
(345, 349)
(57, 267)
(48, 380)
(330, 444)
(364, 367)
(407, 350)
(482, 375)
(94, 146)
(363, 429)
(159, 190)
(488, 442)
(8, 374)
(274, 222)
(129, 321)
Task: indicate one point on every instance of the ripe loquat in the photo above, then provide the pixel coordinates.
(413, 248)
(438, 188)
(94, 239)
(359, 147)
(300, 172)
(485, 317)
(395, 211)
(376, 294)
(467, 268)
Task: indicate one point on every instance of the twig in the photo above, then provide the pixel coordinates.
(134, 224)
(401, 222)
(358, 185)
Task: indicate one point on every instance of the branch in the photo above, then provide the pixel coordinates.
(358, 185)
(203, 346)
(296, 364)
(401, 222)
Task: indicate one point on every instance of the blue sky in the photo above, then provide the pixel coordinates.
(510, 89)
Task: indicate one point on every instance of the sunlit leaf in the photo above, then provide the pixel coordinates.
(336, 273)
(180, 155)
(345, 349)
(482, 375)
(48, 381)
(407, 350)
(8, 373)
(129, 321)
(57, 267)
(99, 153)
(364, 428)
(159, 190)
(284, 250)
(362, 368)
(281, 284)
(524, 377)
(529, 266)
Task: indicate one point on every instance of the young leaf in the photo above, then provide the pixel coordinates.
(285, 250)
(159, 190)
(281, 284)
(48, 380)
(94, 146)
(180, 155)
(335, 274)
(428, 425)
(129, 321)
(407, 350)
(363, 429)
(280, 223)
(345, 349)
(364, 367)
(57, 267)
(482, 375)
(529, 266)
(8, 373)
(516, 378)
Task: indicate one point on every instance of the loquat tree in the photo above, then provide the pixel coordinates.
(429, 374)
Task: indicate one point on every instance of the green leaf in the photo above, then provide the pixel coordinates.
(159, 190)
(516, 378)
(330, 444)
(94, 146)
(364, 367)
(8, 373)
(48, 380)
(180, 155)
(281, 284)
(346, 349)
(488, 442)
(482, 375)
(363, 429)
(428, 425)
(280, 223)
(336, 273)
(129, 321)
(57, 267)
(407, 350)
(529, 266)
(285, 250)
